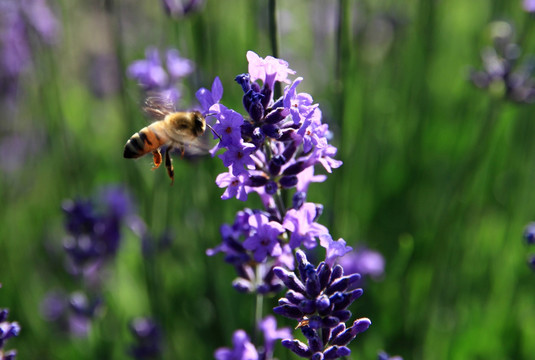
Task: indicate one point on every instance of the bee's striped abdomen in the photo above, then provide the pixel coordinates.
(142, 142)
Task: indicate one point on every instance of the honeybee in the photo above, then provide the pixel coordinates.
(171, 128)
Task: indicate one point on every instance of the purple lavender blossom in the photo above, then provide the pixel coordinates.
(242, 348)
(264, 240)
(529, 233)
(503, 75)
(335, 249)
(318, 298)
(180, 8)
(153, 76)
(268, 326)
(384, 356)
(94, 228)
(18, 19)
(8, 330)
(363, 261)
(304, 230)
(529, 5)
(148, 339)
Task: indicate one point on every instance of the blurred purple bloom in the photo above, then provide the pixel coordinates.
(529, 5)
(148, 339)
(242, 349)
(153, 77)
(268, 326)
(178, 8)
(103, 75)
(264, 238)
(529, 233)
(384, 356)
(17, 20)
(301, 223)
(177, 66)
(94, 227)
(335, 249)
(149, 72)
(363, 261)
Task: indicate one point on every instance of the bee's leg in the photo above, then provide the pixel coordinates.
(182, 151)
(157, 158)
(169, 165)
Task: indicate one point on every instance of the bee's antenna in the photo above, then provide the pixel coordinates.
(211, 128)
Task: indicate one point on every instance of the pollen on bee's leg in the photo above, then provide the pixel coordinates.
(156, 158)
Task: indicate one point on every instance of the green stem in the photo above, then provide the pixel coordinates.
(272, 13)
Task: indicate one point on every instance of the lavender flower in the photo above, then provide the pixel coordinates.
(268, 326)
(318, 298)
(179, 8)
(242, 349)
(152, 76)
(502, 75)
(94, 227)
(148, 339)
(384, 356)
(17, 20)
(7, 331)
(529, 5)
(72, 313)
(278, 141)
(276, 146)
(364, 261)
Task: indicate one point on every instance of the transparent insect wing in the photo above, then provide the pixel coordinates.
(158, 107)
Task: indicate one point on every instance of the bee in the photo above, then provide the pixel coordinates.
(170, 128)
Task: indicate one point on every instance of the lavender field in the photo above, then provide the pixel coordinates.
(260, 180)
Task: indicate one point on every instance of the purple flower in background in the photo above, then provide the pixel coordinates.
(154, 77)
(268, 326)
(94, 227)
(384, 356)
(503, 75)
(529, 5)
(18, 19)
(179, 8)
(148, 339)
(242, 348)
(364, 262)
(7, 331)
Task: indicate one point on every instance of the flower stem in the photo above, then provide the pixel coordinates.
(272, 13)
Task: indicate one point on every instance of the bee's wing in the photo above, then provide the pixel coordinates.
(157, 107)
(197, 147)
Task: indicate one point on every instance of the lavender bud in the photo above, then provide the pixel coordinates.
(276, 116)
(307, 306)
(298, 199)
(257, 180)
(288, 311)
(529, 233)
(242, 285)
(271, 130)
(296, 168)
(271, 187)
(288, 181)
(297, 347)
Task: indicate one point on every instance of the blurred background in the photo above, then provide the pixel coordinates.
(430, 107)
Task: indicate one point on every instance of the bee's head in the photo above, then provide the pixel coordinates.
(199, 125)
